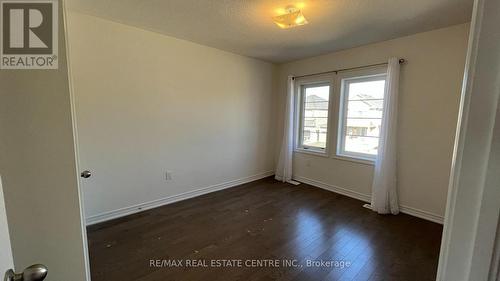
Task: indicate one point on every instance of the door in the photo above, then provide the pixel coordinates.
(39, 170)
(6, 252)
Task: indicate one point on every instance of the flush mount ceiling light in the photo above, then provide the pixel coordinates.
(292, 18)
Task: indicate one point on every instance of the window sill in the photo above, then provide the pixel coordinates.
(311, 152)
(365, 161)
(362, 161)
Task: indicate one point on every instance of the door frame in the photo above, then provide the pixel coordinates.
(452, 225)
(472, 208)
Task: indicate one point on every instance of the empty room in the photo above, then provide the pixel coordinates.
(249, 140)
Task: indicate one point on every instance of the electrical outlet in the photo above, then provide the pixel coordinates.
(168, 175)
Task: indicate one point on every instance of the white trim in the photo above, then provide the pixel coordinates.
(300, 85)
(311, 151)
(472, 207)
(367, 198)
(370, 162)
(172, 199)
(333, 188)
(342, 120)
(421, 214)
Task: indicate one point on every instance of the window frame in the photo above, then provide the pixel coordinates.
(342, 119)
(300, 86)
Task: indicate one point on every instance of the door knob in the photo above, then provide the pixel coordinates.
(86, 174)
(36, 272)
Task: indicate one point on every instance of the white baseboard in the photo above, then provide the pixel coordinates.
(336, 189)
(421, 214)
(171, 199)
(367, 198)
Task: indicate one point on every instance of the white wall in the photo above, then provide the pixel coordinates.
(428, 108)
(147, 103)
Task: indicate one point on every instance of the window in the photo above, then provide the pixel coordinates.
(362, 101)
(352, 102)
(313, 119)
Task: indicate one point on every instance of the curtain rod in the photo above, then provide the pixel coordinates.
(401, 61)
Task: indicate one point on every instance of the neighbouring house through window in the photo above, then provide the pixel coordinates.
(349, 106)
(314, 107)
(362, 101)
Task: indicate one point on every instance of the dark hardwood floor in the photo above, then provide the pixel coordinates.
(265, 220)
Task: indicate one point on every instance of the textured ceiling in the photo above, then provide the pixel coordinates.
(245, 26)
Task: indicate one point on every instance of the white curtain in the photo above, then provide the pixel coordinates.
(384, 188)
(284, 168)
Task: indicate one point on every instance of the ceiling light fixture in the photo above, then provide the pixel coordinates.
(292, 18)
